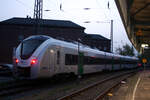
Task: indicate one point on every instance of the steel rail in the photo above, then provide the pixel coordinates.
(15, 87)
(78, 92)
(102, 95)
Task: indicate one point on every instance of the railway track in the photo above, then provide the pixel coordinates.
(15, 87)
(99, 89)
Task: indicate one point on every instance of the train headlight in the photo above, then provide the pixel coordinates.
(51, 51)
(33, 61)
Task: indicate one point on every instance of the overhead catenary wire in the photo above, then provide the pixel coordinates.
(30, 9)
(99, 5)
(25, 5)
(56, 4)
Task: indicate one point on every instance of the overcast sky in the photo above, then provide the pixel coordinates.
(99, 15)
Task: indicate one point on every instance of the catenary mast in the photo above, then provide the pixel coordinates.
(38, 9)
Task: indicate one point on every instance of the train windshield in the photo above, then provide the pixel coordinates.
(30, 45)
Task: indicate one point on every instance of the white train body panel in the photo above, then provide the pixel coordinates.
(51, 58)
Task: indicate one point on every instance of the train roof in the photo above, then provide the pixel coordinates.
(83, 48)
(37, 37)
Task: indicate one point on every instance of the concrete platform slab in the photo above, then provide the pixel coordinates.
(136, 88)
(143, 87)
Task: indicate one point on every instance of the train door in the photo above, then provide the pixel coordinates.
(55, 60)
(52, 61)
(47, 63)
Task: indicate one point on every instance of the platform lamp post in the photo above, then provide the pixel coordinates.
(79, 74)
(80, 60)
(144, 60)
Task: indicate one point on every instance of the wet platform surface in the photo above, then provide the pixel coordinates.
(142, 86)
(135, 88)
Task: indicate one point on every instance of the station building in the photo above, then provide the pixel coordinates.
(14, 30)
(97, 41)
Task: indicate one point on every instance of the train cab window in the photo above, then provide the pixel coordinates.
(30, 45)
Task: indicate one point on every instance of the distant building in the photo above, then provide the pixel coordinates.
(97, 41)
(14, 30)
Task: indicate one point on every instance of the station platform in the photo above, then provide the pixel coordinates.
(142, 87)
(135, 88)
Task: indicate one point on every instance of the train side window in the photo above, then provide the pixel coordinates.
(116, 61)
(108, 61)
(93, 61)
(58, 56)
(71, 59)
(68, 59)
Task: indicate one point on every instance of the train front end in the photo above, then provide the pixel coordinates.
(27, 57)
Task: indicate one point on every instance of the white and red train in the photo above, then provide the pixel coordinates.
(43, 56)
